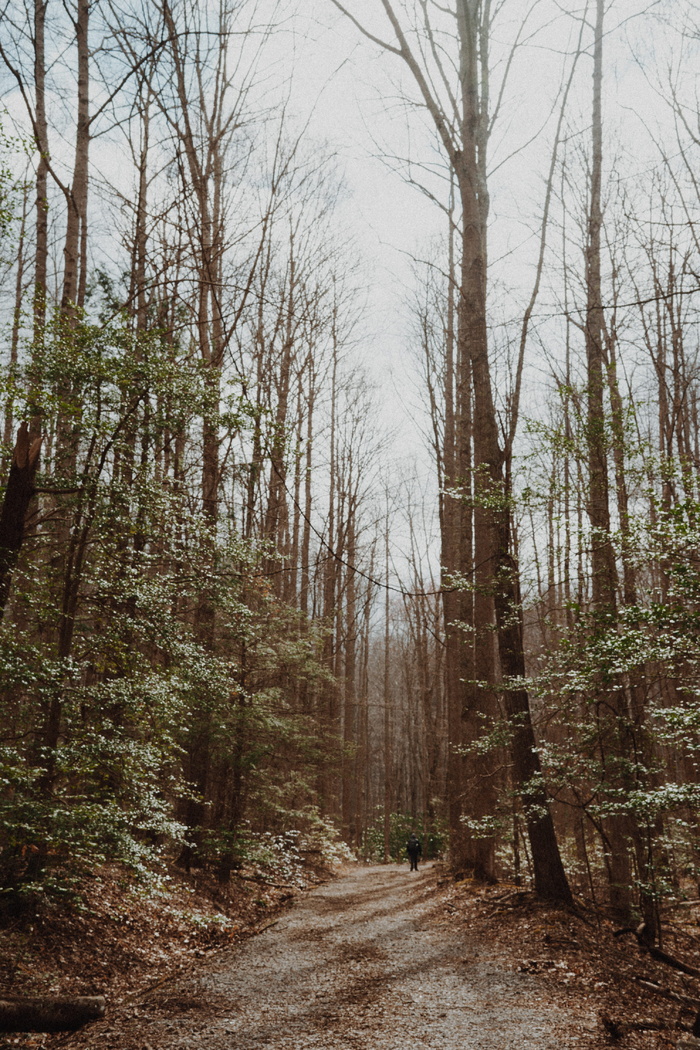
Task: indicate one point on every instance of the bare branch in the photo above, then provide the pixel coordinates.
(365, 32)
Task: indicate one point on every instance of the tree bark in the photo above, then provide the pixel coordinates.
(18, 495)
(602, 555)
(16, 326)
(603, 571)
(42, 170)
(388, 740)
(463, 132)
(350, 720)
(42, 1014)
(550, 878)
(73, 281)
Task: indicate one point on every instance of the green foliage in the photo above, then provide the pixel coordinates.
(11, 188)
(140, 649)
(49, 840)
(431, 831)
(284, 854)
(621, 693)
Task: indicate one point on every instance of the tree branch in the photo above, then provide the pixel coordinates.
(365, 32)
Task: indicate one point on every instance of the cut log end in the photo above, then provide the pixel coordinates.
(44, 1014)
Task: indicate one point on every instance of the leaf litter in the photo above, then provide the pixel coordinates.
(374, 959)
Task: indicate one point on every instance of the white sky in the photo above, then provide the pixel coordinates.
(347, 83)
(346, 88)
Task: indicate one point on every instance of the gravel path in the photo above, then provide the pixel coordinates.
(368, 961)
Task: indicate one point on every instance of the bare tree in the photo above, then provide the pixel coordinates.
(462, 118)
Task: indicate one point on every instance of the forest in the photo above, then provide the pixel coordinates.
(264, 592)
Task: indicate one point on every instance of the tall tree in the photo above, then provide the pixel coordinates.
(603, 568)
(463, 125)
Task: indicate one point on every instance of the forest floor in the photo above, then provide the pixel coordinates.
(379, 959)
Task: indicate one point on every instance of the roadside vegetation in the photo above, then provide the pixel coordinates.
(245, 634)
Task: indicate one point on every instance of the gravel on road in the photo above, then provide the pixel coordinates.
(370, 960)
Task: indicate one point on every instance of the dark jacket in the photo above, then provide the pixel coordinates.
(413, 847)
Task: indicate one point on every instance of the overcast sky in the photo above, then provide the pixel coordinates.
(351, 90)
(354, 98)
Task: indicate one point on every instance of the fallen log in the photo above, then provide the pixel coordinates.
(657, 953)
(618, 1029)
(668, 993)
(43, 1014)
(677, 964)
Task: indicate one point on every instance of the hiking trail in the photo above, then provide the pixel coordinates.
(367, 961)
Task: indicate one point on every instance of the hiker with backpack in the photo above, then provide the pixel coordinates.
(414, 850)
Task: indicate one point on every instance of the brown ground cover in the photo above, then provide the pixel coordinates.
(639, 1001)
(170, 963)
(124, 937)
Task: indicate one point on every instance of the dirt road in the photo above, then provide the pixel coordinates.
(368, 961)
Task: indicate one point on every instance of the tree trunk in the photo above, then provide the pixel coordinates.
(350, 720)
(550, 878)
(18, 495)
(456, 608)
(16, 325)
(603, 572)
(42, 1014)
(305, 569)
(388, 741)
(78, 195)
(42, 172)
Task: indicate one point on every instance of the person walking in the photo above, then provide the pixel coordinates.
(414, 850)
